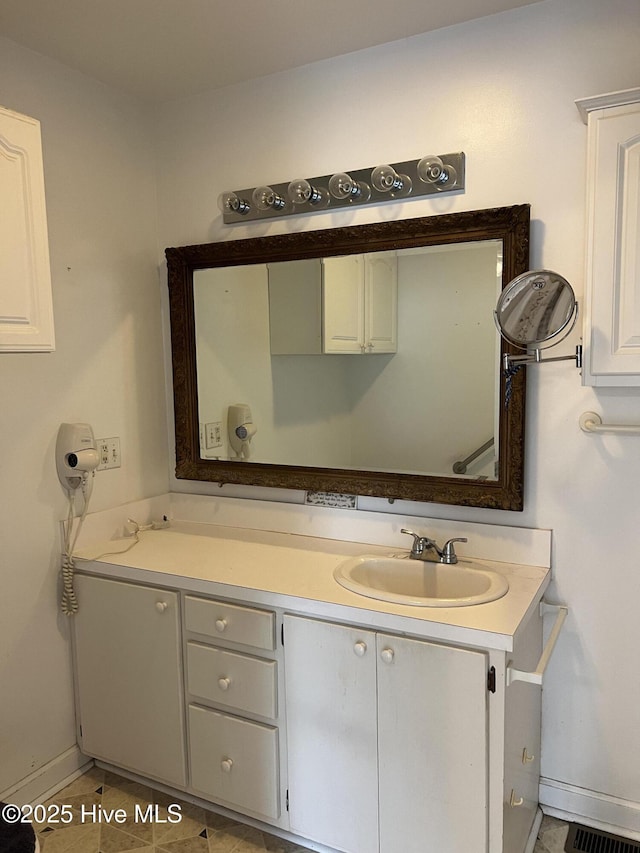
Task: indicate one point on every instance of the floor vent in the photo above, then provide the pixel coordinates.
(583, 839)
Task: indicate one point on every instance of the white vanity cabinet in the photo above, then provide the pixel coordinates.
(347, 726)
(612, 298)
(128, 664)
(360, 294)
(232, 705)
(387, 740)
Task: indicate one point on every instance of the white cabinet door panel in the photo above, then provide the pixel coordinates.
(129, 676)
(432, 731)
(381, 302)
(331, 726)
(343, 296)
(612, 320)
(26, 311)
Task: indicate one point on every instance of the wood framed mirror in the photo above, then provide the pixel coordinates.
(414, 411)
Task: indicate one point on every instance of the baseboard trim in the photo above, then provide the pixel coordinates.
(533, 835)
(592, 808)
(48, 779)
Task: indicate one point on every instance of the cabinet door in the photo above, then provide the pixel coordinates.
(26, 311)
(343, 303)
(381, 302)
(129, 680)
(331, 730)
(432, 742)
(612, 322)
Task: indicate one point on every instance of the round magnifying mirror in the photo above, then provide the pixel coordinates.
(536, 309)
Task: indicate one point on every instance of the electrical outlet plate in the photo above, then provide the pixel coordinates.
(213, 435)
(109, 453)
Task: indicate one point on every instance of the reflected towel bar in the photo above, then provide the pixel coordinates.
(591, 422)
(536, 676)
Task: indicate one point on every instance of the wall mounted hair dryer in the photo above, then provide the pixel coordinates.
(241, 430)
(76, 457)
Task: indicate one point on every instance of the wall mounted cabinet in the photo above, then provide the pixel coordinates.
(26, 312)
(612, 295)
(345, 304)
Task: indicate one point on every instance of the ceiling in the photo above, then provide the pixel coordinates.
(163, 49)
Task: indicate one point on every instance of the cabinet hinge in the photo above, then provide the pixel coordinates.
(491, 679)
(282, 633)
(287, 800)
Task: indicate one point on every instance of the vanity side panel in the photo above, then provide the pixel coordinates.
(523, 708)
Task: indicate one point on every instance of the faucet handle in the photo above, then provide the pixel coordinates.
(449, 555)
(418, 541)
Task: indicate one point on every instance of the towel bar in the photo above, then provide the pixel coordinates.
(535, 677)
(590, 422)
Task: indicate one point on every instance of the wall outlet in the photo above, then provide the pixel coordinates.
(213, 434)
(109, 452)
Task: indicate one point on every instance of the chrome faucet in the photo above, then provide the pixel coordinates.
(426, 549)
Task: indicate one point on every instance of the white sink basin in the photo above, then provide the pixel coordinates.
(423, 584)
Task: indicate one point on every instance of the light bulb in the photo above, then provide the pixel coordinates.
(301, 192)
(229, 202)
(431, 170)
(386, 180)
(265, 198)
(342, 186)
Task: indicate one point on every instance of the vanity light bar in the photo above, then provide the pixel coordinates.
(431, 175)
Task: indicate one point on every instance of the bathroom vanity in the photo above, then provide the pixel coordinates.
(230, 666)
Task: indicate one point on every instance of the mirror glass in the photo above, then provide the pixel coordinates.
(404, 397)
(535, 308)
(360, 360)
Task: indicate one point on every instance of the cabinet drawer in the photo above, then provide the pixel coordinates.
(230, 622)
(232, 679)
(234, 761)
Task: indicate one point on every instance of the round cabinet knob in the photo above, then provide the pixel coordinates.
(226, 764)
(360, 648)
(223, 683)
(161, 606)
(221, 624)
(387, 655)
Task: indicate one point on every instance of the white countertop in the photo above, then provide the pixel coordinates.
(295, 573)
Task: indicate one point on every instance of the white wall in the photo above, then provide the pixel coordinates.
(107, 370)
(502, 89)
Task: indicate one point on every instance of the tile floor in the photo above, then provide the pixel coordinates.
(199, 831)
(551, 835)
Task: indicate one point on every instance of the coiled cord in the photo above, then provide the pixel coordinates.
(69, 602)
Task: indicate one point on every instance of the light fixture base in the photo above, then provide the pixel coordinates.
(415, 187)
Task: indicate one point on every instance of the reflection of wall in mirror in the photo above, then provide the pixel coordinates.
(425, 407)
(439, 390)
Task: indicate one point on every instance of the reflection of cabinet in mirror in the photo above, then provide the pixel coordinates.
(346, 304)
